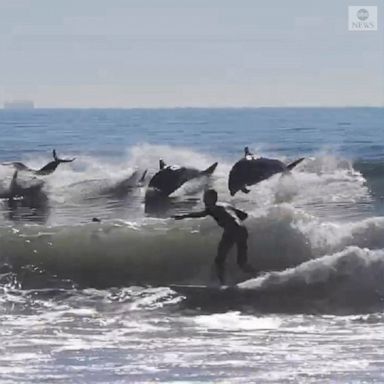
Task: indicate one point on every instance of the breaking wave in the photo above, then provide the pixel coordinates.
(315, 235)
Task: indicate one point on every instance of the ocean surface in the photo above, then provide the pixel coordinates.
(95, 302)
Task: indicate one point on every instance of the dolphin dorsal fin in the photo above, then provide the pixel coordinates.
(209, 170)
(142, 179)
(12, 187)
(247, 152)
(161, 164)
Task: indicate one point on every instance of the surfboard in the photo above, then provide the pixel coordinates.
(206, 289)
(212, 288)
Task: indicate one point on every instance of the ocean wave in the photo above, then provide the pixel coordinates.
(325, 185)
(347, 282)
(155, 251)
(302, 226)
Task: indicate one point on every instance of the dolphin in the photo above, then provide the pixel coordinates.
(26, 200)
(104, 188)
(22, 189)
(171, 177)
(46, 170)
(167, 180)
(125, 186)
(251, 170)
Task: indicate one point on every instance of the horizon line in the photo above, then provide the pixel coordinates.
(193, 107)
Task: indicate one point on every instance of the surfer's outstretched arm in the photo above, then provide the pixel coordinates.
(191, 215)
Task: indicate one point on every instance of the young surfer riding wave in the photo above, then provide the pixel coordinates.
(230, 219)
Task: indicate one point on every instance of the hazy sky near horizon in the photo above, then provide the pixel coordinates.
(209, 53)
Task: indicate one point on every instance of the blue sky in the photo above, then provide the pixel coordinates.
(209, 53)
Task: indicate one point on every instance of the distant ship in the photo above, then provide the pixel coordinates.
(19, 104)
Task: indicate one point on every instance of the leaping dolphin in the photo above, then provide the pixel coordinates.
(251, 170)
(26, 194)
(171, 177)
(21, 189)
(167, 180)
(125, 186)
(104, 188)
(46, 170)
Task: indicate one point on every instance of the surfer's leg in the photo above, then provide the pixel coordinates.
(225, 245)
(242, 250)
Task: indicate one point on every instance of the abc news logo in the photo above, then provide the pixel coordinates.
(362, 18)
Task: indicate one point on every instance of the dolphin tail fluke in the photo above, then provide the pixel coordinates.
(293, 164)
(209, 170)
(67, 160)
(58, 160)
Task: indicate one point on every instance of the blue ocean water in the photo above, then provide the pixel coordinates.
(84, 301)
(353, 132)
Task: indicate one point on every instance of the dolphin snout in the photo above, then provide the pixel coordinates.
(233, 191)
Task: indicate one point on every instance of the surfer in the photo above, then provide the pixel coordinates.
(230, 219)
